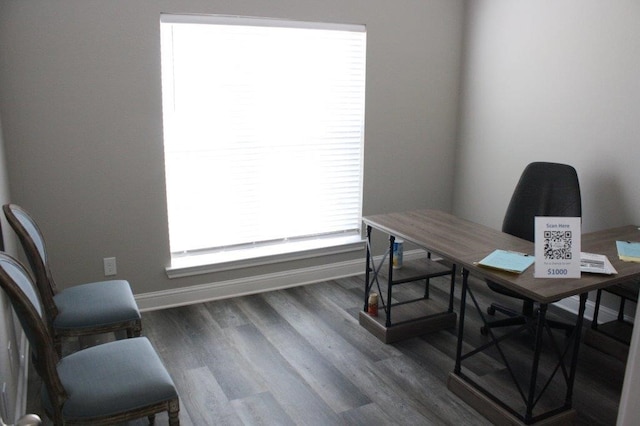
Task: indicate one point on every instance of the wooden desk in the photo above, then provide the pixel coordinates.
(463, 243)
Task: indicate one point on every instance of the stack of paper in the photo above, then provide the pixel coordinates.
(505, 260)
(628, 251)
(596, 264)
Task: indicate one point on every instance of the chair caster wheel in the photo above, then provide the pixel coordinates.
(491, 310)
(484, 330)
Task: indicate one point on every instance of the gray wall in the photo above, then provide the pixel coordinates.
(551, 81)
(81, 104)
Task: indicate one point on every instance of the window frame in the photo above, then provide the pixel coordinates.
(206, 261)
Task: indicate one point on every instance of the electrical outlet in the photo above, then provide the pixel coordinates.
(110, 266)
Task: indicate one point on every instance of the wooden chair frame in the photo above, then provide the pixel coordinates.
(46, 358)
(46, 285)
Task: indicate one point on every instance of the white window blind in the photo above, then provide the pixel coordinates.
(263, 130)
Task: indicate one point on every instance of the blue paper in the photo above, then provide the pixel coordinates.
(629, 251)
(506, 260)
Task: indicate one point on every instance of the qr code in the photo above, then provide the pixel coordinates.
(557, 245)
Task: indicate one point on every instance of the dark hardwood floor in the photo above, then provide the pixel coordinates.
(299, 357)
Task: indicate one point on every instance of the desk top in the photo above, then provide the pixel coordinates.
(464, 243)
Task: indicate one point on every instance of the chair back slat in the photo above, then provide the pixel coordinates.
(32, 230)
(33, 244)
(17, 273)
(18, 285)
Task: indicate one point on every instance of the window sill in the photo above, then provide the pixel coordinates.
(184, 266)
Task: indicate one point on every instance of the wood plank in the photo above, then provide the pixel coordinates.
(326, 381)
(288, 388)
(261, 409)
(203, 399)
(439, 407)
(367, 415)
(232, 371)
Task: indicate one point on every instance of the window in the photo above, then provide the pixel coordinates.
(263, 134)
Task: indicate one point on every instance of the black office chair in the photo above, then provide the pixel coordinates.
(544, 189)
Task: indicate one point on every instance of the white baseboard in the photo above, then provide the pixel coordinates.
(606, 314)
(249, 285)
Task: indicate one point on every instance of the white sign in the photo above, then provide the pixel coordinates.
(557, 246)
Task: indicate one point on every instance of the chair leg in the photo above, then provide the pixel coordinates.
(135, 331)
(174, 411)
(152, 419)
(57, 344)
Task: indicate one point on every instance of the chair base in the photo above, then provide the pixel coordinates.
(515, 318)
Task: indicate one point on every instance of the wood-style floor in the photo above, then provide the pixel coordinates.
(299, 357)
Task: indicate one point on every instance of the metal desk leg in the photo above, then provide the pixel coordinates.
(576, 348)
(392, 239)
(594, 321)
(463, 302)
(367, 273)
(542, 314)
(452, 287)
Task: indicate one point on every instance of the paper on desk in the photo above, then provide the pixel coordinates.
(506, 260)
(628, 251)
(596, 264)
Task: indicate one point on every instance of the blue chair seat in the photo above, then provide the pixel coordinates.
(116, 377)
(99, 304)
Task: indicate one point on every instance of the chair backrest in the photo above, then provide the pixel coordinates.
(33, 244)
(544, 189)
(19, 287)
